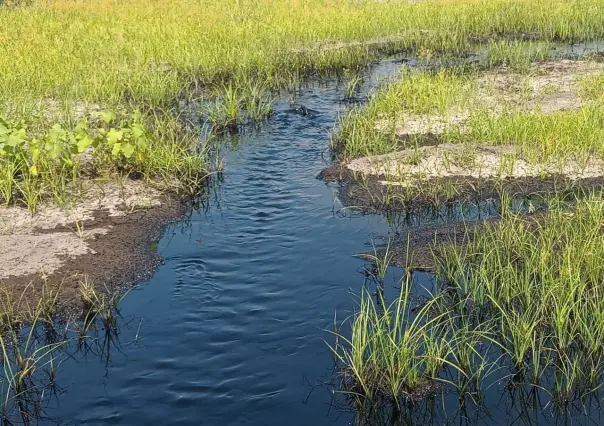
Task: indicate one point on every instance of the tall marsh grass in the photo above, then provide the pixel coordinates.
(34, 343)
(521, 298)
(148, 51)
(552, 138)
(516, 55)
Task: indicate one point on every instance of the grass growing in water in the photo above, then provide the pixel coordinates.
(34, 342)
(381, 356)
(541, 280)
(522, 295)
(516, 55)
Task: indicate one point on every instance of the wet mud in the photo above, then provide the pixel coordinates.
(414, 247)
(368, 193)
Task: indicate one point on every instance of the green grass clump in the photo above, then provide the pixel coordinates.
(516, 55)
(34, 343)
(540, 280)
(391, 351)
(592, 88)
(522, 296)
(544, 138)
(372, 130)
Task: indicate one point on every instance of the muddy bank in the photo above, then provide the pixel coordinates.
(368, 192)
(106, 238)
(415, 247)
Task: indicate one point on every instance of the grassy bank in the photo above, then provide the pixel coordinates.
(549, 117)
(520, 299)
(61, 59)
(150, 51)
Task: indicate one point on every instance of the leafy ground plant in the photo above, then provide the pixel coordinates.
(37, 165)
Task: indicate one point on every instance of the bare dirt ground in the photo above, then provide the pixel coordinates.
(478, 161)
(106, 238)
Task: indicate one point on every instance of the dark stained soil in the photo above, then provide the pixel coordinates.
(119, 259)
(414, 247)
(369, 194)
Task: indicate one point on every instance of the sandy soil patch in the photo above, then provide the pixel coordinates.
(477, 161)
(106, 236)
(41, 244)
(548, 87)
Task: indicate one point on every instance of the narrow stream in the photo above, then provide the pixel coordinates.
(233, 322)
(231, 329)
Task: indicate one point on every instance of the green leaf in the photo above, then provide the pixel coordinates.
(116, 149)
(56, 133)
(141, 142)
(84, 143)
(127, 150)
(107, 116)
(67, 161)
(55, 150)
(14, 140)
(114, 136)
(82, 126)
(138, 130)
(35, 153)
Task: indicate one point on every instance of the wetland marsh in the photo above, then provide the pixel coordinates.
(352, 212)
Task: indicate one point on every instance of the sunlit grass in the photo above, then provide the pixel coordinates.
(520, 297)
(150, 50)
(465, 110)
(58, 57)
(373, 129)
(543, 138)
(541, 279)
(515, 54)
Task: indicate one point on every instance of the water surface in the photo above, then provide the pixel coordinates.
(231, 328)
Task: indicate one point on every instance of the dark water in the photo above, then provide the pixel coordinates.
(230, 330)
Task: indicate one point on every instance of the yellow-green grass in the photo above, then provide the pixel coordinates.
(543, 138)
(371, 130)
(541, 279)
(467, 110)
(149, 51)
(61, 56)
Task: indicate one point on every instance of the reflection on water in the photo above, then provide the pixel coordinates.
(515, 406)
(497, 395)
(33, 355)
